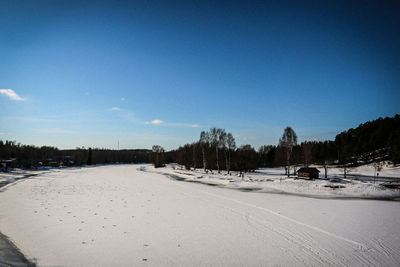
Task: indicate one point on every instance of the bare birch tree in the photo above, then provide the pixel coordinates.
(194, 155)
(230, 142)
(222, 145)
(158, 152)
(215, 141)
(288, 140)
(204, 143)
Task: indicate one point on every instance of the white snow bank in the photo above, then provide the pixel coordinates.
(273, 180)
(368, 170)
(16, 174)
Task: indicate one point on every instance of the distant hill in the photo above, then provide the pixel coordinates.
(374, 139)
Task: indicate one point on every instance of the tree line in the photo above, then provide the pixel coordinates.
(29, 156)
(216, 149)
(378, 138)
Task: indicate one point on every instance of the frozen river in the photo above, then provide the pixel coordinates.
(121, 216)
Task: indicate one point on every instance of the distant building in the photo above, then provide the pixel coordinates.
(308, 173)
(53, 164)
(5, 164)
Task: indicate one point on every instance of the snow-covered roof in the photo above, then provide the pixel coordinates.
(308, 170)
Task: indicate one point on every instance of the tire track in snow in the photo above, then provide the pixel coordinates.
(320, 255)
(317, 229)
(360, 252)
(313, 251)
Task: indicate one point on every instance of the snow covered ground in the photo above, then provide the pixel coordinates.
(15, 175)
(368, 170)
(274, 180)
(128, 215)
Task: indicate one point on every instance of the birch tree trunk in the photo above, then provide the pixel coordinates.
(287, 162)
(229, 161)
(216, 153)
(226, 160)
(204, 159)
(194, 157)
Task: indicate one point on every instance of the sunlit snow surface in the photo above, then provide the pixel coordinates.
(274, 180)
(129, 215)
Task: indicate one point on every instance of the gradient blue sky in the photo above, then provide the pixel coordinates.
(159, 72)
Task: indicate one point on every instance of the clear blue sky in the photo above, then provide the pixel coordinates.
(92, 73)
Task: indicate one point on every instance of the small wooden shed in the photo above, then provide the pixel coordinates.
(5, 164)
(308, 173)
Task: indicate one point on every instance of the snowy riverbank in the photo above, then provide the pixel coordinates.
(273, 180)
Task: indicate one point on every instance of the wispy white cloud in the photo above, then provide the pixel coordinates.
(122, 98)
(29, 119)
(51, 119)
(319, 135)
(245, 137)
(173, 124)
(55, 131)
(154, 122)
(128, 115)
(249, 138)
(182, 125)
(125, 114)
(11, 94)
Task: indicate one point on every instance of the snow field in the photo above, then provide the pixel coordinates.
(273, 180)
(124, 216)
